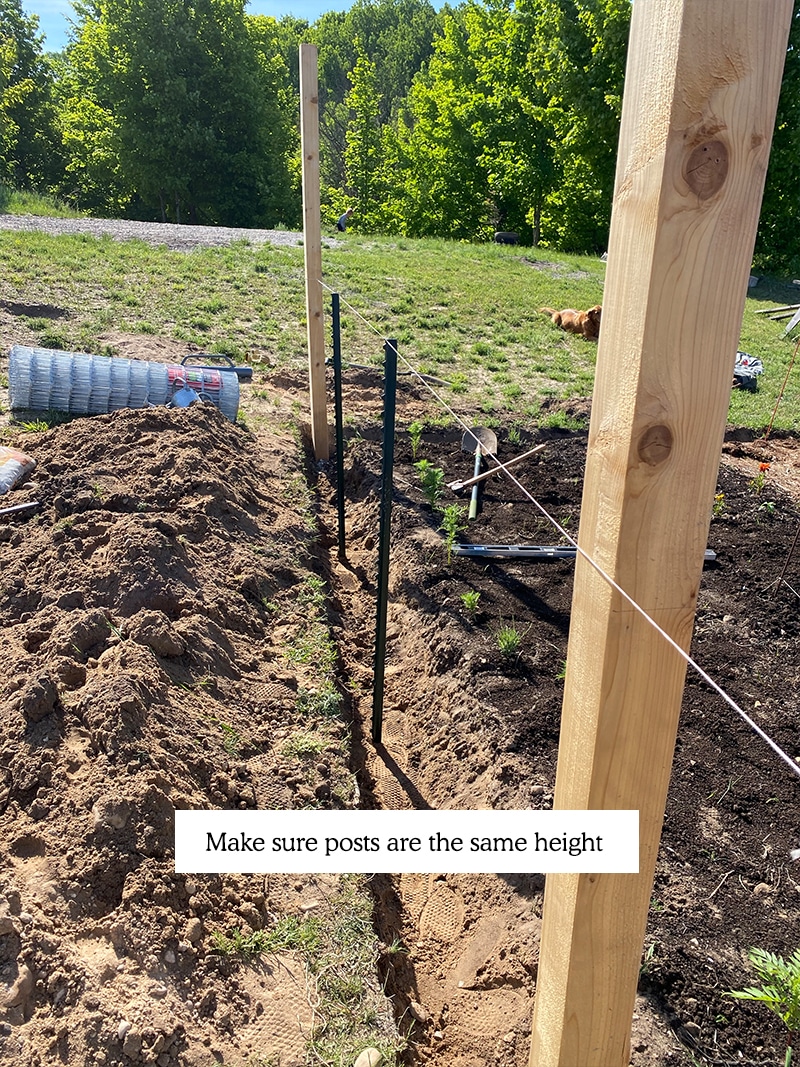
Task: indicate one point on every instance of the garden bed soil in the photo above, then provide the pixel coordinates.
(149, 612)
(467, 726)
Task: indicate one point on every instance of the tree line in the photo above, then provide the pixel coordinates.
(489, 115)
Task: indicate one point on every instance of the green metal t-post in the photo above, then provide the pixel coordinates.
(389, 405)
(337, 406)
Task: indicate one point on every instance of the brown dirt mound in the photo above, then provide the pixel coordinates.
(143, 672)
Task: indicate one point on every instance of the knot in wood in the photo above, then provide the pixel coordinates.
(706, 168)
(655, 445)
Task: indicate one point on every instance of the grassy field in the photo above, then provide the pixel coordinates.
(18, 202)
(467, 314)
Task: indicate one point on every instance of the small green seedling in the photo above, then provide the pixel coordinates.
(779, 991)
(470, 601)
(767, 509)
(452, 522)
(415, 432)
(718, 507)
(432, 479)
(509, 640)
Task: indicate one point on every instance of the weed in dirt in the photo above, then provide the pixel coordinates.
(303, 746)
(432, 479)
(325, 702)
(779, 990)
(115, 630)
(649, 959)
(767, 510)
(231, 739)
(515, 435)
(718, 507)
(288, 934)
(34, 426)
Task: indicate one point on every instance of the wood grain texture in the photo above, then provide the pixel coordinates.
(312, 244)
(700, 97)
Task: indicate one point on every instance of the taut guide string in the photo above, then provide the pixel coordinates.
(787, 759)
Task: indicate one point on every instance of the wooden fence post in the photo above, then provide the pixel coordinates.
(701, 91)
(312, 245)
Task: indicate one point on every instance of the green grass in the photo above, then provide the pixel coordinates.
(467, 314)
(16, 202)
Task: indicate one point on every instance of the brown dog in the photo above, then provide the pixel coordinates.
(584, 323)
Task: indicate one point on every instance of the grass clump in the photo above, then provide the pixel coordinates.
(509, 640)
(288, 934)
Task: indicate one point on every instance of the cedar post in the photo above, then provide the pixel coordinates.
(701, 91)
(312, 244)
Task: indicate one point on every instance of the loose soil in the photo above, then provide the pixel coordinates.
(151, 612)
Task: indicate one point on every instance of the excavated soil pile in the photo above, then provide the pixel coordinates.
(148, 612)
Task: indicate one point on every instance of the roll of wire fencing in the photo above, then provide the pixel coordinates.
(44, 379)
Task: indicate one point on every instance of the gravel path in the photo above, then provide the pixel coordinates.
(181, 238)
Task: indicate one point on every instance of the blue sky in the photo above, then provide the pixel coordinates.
(53, 14)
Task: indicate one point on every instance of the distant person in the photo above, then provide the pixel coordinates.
(341, 225)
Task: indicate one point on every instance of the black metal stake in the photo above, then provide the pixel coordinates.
(389, 403)
(337, 408)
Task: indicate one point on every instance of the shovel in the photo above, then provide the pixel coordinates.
(481, 441)
(456, 487)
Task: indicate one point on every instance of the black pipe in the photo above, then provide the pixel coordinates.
(337, 407)
(389, 403)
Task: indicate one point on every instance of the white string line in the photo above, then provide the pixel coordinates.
(793, 766)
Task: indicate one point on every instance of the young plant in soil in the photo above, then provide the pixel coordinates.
(509, 640)
(779, 990)
(432, 479)
(452, 523)
(757, 484)
(415, 433)
(470, 601)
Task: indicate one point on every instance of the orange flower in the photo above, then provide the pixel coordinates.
(763, 466)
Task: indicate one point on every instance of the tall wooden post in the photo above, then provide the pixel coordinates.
(312, 243)
(700, 96)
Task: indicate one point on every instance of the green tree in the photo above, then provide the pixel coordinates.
(576, 57)
(776, 244)
(396, 35)
(29, 147)
(88, 127)
(473, 147)
(440, 188)
(362, 154)
(198, 104)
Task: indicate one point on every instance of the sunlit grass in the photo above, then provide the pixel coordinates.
(465, 314)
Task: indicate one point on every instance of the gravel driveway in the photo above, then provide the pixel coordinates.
(182, 238)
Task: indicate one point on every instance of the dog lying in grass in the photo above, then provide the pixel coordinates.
(584, 323)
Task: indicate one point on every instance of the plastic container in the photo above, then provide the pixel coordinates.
(44, 379)
(15, 466)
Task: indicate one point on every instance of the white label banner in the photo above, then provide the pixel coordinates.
(399, 842)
